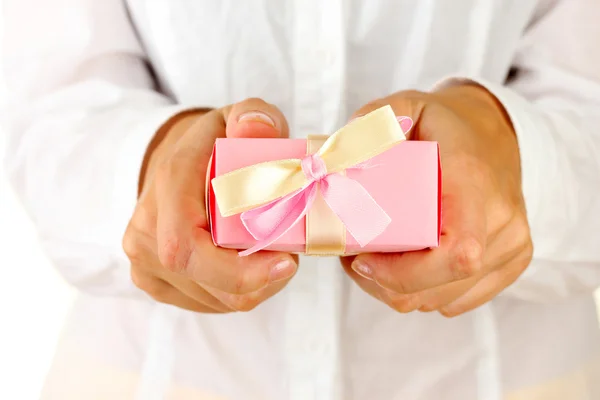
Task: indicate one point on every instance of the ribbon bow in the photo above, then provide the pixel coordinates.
(274, 196)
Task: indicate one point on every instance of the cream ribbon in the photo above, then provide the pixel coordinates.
(256, 185)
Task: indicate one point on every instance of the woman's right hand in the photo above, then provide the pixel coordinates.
(168, 241)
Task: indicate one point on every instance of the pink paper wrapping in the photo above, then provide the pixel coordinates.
(405, 182)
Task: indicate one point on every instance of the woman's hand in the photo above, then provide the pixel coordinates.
(485, 243)
(172, 254)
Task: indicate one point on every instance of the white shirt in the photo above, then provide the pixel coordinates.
(85, 104)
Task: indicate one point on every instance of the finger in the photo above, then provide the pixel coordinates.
(366, 285)
(182, 175)
(180, 178)
(403, 303)
(407, 111)
(145, 258)
(141, 250)
(488, 287)
(456, 259)
(410, 104)
(184, 245)
(163, 292)
(140, 247)
(438, 297)
(196, 292)
(191, 289)
(500, 252)
(249, 301)
(505, 244)
(187, 249)
(426, 300)
(462, 243)
(255, 118)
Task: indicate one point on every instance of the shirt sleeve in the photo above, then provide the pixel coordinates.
(82, 110)
(554, 105)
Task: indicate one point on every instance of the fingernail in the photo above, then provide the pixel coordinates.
(282, 270)
(406, 123)
(363, 270)
(256, 116)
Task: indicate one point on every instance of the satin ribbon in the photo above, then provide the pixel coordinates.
(325, 234)
(274, 196)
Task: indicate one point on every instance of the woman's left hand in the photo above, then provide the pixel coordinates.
(485, 243)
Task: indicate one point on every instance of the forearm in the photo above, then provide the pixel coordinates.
(76, 168)
(561, 183)
(559, 148)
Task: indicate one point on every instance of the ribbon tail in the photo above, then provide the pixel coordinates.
(351, 202)
(272, 220)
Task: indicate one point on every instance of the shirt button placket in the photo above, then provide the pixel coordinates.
(303, 316)
(313, 317)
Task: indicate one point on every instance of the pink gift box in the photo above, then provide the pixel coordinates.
(406, 183)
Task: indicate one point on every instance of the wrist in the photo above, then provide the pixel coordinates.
(165, 136)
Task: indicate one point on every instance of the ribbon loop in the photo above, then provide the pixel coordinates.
(274, 196)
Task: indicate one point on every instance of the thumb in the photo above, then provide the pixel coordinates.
(255, 118)
(406, 123)
(408, 107)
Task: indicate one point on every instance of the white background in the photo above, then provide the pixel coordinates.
(33, 304)
(34, 300)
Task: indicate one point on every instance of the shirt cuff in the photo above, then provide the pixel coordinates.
(529, 125)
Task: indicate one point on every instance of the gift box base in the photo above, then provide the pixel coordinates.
(405, 181)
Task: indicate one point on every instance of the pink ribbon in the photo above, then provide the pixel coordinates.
(359, 212)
